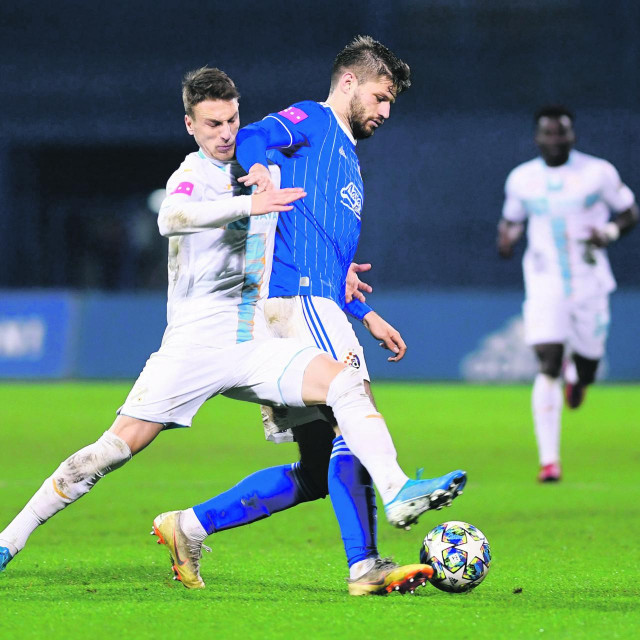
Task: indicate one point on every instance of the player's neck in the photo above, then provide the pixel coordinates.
(341, 110)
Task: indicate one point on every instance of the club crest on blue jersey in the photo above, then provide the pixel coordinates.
(351, 359)
(352, 198)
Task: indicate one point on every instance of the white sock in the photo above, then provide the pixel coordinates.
(70, 481)
(191, 526)
(360, 568)
(365, 432)
(546, 403)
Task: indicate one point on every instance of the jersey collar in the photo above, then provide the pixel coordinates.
(342, 125)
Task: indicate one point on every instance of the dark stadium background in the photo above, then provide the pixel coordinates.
(91, 123)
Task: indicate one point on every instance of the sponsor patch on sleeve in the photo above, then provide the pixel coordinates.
(184, 187)
(293, 114)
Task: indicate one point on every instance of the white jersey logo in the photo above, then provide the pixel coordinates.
(352, 198)
(341, 151)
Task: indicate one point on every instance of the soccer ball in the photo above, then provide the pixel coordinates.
(459, 554)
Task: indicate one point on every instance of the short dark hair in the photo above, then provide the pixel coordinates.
(206, 83)
(553, 111)
(368, 59)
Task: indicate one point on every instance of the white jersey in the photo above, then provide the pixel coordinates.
(562, 204)
(219, 256)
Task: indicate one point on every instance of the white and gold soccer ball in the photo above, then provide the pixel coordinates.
(459, 554)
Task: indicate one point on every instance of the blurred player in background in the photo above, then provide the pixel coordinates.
(219, 236)
(314, 144)
(567, 198)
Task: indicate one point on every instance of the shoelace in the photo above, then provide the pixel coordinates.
(384, 563)
(195, 548)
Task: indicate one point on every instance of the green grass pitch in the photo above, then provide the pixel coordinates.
(566, 557)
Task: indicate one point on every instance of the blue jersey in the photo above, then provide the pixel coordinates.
(317, 240)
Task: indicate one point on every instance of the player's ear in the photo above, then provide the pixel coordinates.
(348, 82)
(188, 122)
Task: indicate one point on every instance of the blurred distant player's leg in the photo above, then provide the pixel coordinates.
(546, 401)
(587, 340)
(579, 374)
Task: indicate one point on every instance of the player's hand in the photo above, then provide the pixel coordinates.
(354, 286)
(275, 200)
(604, 236)
(508, 235)
(382, 330)
(259, 176)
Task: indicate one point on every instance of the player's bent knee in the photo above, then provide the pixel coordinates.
(347, 388)
(135, 432)
(79, 472)
(318, 376)
(550, 359)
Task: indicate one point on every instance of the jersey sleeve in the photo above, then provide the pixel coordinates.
(513, 209)
(616, 195)
(184, 209)
(292, 127)
(357, 309)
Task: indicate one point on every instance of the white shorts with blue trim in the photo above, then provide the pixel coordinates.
(583, 324)
(178, 379)
(321, 323)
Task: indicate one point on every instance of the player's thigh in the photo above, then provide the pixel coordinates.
(319, 321)
(546, 320)
(270, 371)
(176, 381)
(590, 320)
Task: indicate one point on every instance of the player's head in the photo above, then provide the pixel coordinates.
(211, 111)
(554, 133)
(366, 79)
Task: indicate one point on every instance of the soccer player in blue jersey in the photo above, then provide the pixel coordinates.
(315, 146)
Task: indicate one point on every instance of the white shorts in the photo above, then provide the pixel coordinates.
(319, 322)
(581, 324)
(182, 375)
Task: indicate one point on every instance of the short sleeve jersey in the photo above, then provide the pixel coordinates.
(562, 204)
(217, 276)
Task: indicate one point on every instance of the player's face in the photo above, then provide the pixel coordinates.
(370, 106)
(555, 139)
(214, 126)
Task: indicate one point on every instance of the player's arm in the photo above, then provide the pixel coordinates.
(511, 225)
(508, 235)
(390, 338)
(283, 130)
(619, 198)
(621, 224)
(179, 215)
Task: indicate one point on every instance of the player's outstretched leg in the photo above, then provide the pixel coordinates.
(71, 480)
(185, 552)
(366, 434)
(386, 577)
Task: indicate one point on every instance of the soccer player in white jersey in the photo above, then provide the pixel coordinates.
(204, 352)
(567, 199)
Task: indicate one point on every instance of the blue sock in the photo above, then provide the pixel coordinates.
(257, 496)
(354, 502)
